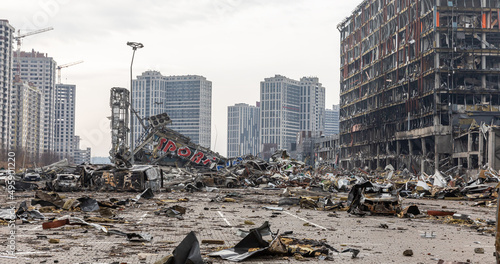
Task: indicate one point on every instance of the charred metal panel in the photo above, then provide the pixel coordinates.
(136, 179)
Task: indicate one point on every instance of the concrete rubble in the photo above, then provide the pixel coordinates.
(143, 213)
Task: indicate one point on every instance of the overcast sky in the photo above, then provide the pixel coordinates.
(233, 43)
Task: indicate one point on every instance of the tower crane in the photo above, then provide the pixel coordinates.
(65, 66)
(18, 39)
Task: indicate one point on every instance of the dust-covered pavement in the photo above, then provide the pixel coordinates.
(380, 239)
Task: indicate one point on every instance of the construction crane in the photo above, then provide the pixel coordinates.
(65, 66)
(18, 39)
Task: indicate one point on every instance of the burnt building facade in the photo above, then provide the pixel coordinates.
(420, 84)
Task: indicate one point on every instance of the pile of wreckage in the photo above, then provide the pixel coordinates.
(359, 192)
(253, 244)
(280, 172)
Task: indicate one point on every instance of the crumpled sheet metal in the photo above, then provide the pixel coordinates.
(45, 199)
(24, 213)
(264, 230)
(187, 252)
(307, 247)
(146, 194)
(251, 245)
(176, 211)
(319, 203)
(254, 245)
(88, 204)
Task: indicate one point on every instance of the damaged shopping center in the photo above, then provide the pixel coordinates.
(420, 85)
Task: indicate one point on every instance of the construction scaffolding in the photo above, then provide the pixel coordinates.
(416, 74)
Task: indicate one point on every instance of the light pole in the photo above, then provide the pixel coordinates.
(135, 46)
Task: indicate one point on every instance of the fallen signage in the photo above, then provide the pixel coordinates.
(196, 156)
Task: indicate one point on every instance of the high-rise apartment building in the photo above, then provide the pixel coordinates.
(242, 130)
(6, 78)
(80, 155)
(287, 107)
(418, 79)
(332, 120)
(26, 104)
(187, 99)
(40, 70)
(279, 113)
(312, 105)
(65, 121)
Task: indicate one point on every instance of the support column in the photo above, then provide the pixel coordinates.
(424, 155)
(469, 149)
(398, 154)
(483, 61)
(481, 150)
(492, 159)
(410, 152)
(436, 148)
(437, 41)
(378, 155)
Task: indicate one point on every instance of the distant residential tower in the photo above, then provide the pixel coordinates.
(287, 107)
(242, 130)
(6, 78)
(39, 69)
(187, 99)
(26, 115)
(65, 121)
(332, 120)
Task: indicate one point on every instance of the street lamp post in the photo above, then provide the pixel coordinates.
(135, 46)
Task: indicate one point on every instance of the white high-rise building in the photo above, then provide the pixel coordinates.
(187, 99)
(312, 105)
(26, 100)
(242, 130)
(65, 121)
(287, 107)
(6, 78)
(39, 69)
(279, 113)
(149, 92)
(332, 120)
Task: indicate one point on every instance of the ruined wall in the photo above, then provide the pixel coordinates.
(410, 72)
